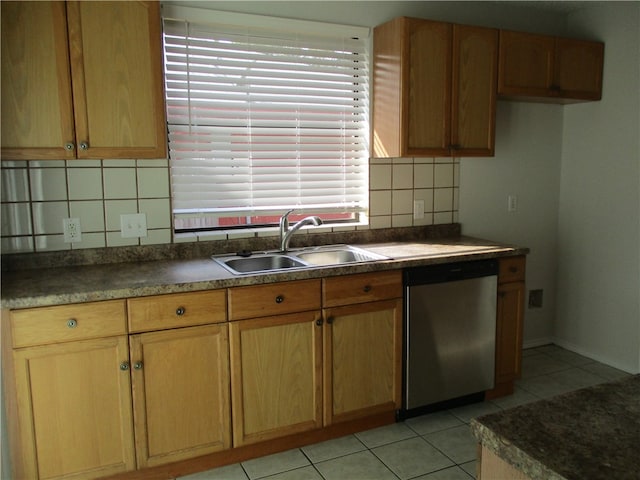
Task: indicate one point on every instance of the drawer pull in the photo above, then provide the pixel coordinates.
(279, 299)
(138, 365)
(124, 366)
(513, 269)
(180, 311)
(72, 323)
(367, 288)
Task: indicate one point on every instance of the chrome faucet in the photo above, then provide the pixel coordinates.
(286, 233)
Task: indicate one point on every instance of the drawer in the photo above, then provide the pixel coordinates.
(177, 310)
(361, 288)
(66, 323)
(512, 269)
(274, 299)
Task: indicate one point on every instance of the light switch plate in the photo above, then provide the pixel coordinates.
(133, 225)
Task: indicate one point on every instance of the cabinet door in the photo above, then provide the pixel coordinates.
(180, 393)
(362, 360)
(75, 409)
(510, 312)
(473, 101)
(116, 57)
(526, 64)
(276, 376)
(578, 68)
(427, 105)
(37, 111)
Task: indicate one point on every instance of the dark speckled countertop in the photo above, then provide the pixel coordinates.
(83, 283)
(589, 434)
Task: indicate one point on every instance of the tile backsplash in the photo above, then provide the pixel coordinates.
(394, 185)
(37, 195)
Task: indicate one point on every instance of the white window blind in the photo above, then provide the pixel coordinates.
(261, 121)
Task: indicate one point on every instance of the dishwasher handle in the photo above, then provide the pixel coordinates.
(450, 272)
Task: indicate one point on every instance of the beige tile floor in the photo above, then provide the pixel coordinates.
(437, 446)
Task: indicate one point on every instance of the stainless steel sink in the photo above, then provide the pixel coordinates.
(295, 259)
(260, 263)
(337, 255)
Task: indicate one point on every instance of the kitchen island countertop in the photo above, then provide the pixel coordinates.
(588, 434)
(77, 284)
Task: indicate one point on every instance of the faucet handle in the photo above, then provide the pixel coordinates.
(284, 220)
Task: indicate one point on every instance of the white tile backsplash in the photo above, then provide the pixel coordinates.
(443, 175)
(84, 183)
(15, 185)
(157, 211)
(401, 202)
(47, 217)
(38, 195)
(90, 213)
(402, 176)
(120, 183)
(153, 183)
(380, 177)
(48, 184)
(16, 219)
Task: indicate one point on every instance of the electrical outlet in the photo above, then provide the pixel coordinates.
(512, 203)
(418, 209)
(535, 298)
(72, 230)
(133, 225)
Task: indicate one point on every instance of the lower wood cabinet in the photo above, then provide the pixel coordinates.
(74, 410)
(299, 371)
(180, 393)
(509, 325)
(362, 360)
(276, 376)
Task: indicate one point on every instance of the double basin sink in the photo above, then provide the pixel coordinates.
(330, 255)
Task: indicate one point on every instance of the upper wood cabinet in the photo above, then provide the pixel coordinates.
(82, 80)
(551, 69)
(434, 89)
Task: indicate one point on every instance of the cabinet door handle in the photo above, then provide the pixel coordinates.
(279, 299)
(319, 322)
(138, 365)
(124, 366)
(69, 146)
(84, 145)
(72, 323)
(330, 320)
(180, 311)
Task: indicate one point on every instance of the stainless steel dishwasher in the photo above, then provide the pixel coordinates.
(450, 331)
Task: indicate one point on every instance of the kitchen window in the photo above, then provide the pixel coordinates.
(264, 115)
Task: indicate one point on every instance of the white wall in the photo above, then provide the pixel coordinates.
(527, 165)
(599, 212)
